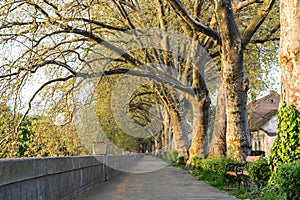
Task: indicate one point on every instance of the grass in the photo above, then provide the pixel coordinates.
(220, 182)
(211, 178)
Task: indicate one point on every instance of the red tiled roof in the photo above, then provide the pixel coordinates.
(262, 110)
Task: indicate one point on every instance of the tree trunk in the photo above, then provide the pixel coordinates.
(237, 133)
(171, 138)
(235, 83)
(289, 58)
(157, 144)
(178, 132)
(200, 103)
(165, 132)
(218, 141)
(200, 124)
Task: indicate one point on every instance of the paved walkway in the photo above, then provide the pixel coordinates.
(166, 182)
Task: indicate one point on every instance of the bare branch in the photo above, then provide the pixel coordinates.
(198, 8)
(261, 41)
(48, 35)
(130, 5)
(180, 10)
(157, 77)
(128, 58)
(14, 24)
(101, 24)
(54, 62)
(269, 37)
(242, 4)
(8, 75)
(41, 10)
(124, 14)
(257, 21)
(54, 7)
(36, 93)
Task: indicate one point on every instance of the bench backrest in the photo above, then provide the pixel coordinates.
(252, 158)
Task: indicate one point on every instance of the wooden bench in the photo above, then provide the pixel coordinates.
(239, 173)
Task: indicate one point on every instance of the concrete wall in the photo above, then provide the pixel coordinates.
(56, 177)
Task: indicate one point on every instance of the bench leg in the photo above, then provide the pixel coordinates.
(239, 180)
(228, 182)
(246, 181)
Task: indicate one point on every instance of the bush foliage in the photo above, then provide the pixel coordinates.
(288, 179)
(172, 156)
(286, 148)
(180, 160)
(215, 164)
(260, 172)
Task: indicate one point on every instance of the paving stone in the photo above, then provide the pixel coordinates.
(152, 179)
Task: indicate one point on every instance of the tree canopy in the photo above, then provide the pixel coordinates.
(69, 47)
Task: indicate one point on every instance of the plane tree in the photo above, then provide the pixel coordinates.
(71, 42)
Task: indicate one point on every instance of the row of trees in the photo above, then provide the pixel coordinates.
(183, 50)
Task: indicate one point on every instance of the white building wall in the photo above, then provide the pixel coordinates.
(270, 126)
(261, 140)
(266, 142)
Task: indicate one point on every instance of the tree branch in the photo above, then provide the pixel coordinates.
(54, 62)
(124, 14)
(54, 7)
(108, 45)
(117, 28)
(8, 75)
(14, 24)
(180, 10)
(129, 59)
(268, 37)
(257, 21)
(242, 4)
(36, 93)
(157, 77)
(261, 41)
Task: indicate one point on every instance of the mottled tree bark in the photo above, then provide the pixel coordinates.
(176, 125)
(233, 77)
(289, 58)
(217, 145)
(178, 132)
(157, 144)
(200, 104)
(234, 81)
(166, 130)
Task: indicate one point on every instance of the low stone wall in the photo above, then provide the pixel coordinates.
(57, 177)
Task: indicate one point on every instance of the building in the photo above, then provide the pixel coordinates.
(262, 122)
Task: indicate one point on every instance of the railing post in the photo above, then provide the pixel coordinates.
(105, 165)
(101, 148)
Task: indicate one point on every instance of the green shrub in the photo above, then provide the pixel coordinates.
(164, 155)
(215, 164)
(211, 178)
(260, 172)
(196, 162)
(180, 160)
(287, 177)
(286, 147)
(271, 192)
(172, 156)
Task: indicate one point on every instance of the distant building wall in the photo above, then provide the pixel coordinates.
(263, 141)
(270, 126)
(54, 178)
